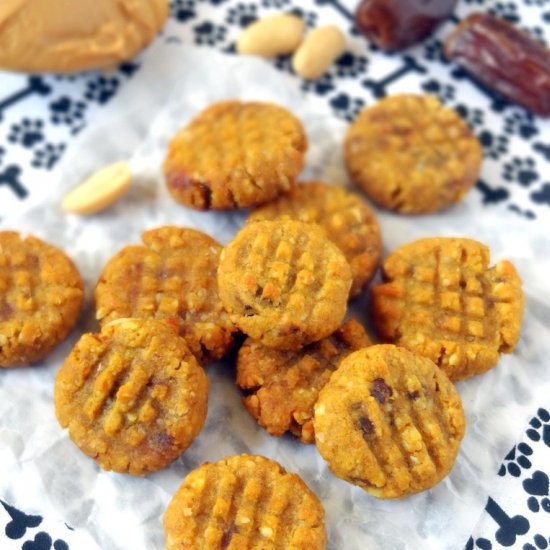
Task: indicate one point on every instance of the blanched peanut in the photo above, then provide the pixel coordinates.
(273, 35)
(320, 48)
(100, 190)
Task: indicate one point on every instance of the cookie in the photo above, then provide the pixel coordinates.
(172, 276)
(411, 154)
(389, 421)
(244, 501)
(282, 386)
(348, 222)
(132, 397)
(284, 283)
(441, 299)
(41, 295)
(235, 154)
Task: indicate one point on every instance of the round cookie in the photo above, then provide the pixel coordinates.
(172, 276)
(244, 501)
(235, 154)
(282, 386)
(349, 223)
(132, 397)
(411, 154)
(389, 421)
(284, 283)
(441, 299)
(41, 294)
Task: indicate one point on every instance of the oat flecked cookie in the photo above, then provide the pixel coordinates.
(282, 386)
(389, 421)
(41, 294)
(244, 501)
(235, 154)
(349, 223)
(411, 154)
(172, 276)
(284, 283)
(441, 299)
(132, 397)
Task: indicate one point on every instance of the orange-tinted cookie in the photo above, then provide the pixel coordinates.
(349, 223)
(284, 283)
(411, 154)
(133, 397)
(172, 276)
(389, 421)
(41, 295)
(283, 386)
(235, 154)
(441, 299)
(242, 502)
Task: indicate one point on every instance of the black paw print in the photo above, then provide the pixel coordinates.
(283, 63)
(308, 17)
(43, 541)
(67, 111)
(535, 32)
(542, 196)
(183, 10)
(350, 65)
(48, 156)
(537, 2)
(275, 3)
(433, 51)
(516, 460)
(474, 117)
(506, 10)
(543, 149)
(520, 123)
(242, 14)
(208, 33)
(540, 424)
(546, 17)
(520, 170)
(321, 86)
(444, 92)
(494, 145)
(346, 107)
(102, 89)
(540, 542)
(538, 487)
(27, 133)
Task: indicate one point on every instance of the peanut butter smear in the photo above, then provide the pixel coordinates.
(66, 36)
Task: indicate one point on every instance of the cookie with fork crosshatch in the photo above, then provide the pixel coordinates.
(41, 295)
(235, 154)
(389, 421)
(244, 501)
(133, 397)
(411, 154)
(441, 299)
(284, 283)
(172, 276)
(349, 223)
(282, 386)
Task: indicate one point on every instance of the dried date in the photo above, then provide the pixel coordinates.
(503, 58)
(396, 24)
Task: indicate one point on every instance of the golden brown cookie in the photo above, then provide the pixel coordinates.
(41, 295)
(172, 276)
(410, 154)
(282, 386)
(349, 223)
(244, 501)
(284, 283)
(441, 299)
(235, 154)
(389, 421)
(133, 396)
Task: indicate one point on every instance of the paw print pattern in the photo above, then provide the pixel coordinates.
(542, 149)
(542, 196)
(308, 17)
(350, 65)
(321, 86)
(346, 107)
(506, 10)
(183, 10)
(538, 487)
(520, 170)
(242, 14)
(494, 145)
(444, 92)
(537, 2)
(474, 117)
(540, 542)
(540, 426)
(27, 133)
(520, 123)
(102, 89)
(208, 33)
(516, 460)
(65, 110)
(275, 3)
(48, 156)
(433, 51)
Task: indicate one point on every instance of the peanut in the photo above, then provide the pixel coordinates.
(320, 48)
(100, 190)
(278, 34)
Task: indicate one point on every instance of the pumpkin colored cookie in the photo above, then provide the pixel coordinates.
(171, 276)
(411, 154)
(389, 421)
(284, 283)
(282, 386)
(441, 299)
(132, 397)
(235, 154)
(244, 501)
(41, 294)
(348, 222)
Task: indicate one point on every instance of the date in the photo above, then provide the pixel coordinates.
(504, 59)
(397, 24)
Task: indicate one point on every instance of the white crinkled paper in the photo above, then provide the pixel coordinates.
(44, 472)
